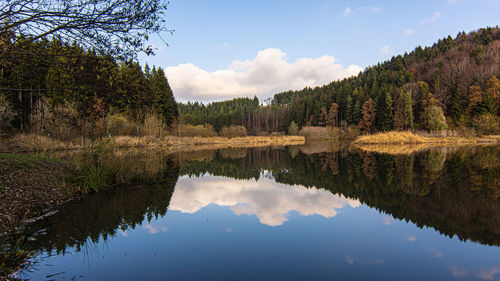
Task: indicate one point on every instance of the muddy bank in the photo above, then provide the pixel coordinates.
(30, 186)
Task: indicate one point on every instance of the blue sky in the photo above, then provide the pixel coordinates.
(222, 49)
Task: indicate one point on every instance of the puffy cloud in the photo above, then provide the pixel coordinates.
(435, 252)
(458, 272)
(154, 229)
(488, 274)
(266, 199)
(387, 220)
(411, 238)
(361, 10)
(268, 73)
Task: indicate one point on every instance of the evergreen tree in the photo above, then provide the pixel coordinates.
(408, 112)
(456, 107)
(367, 122)
(333, 116)
(384, 116)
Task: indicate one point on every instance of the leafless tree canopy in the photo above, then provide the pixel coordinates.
(118, 27)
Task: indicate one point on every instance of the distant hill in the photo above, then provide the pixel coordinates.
(452, 84)
(440, 75)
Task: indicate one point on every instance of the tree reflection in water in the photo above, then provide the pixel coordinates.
(456, 193)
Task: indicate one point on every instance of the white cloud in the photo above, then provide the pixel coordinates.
(269, 201)
(411, 238)
(387, 220)
(458, 272)
(361, 10)
(435, 16)
(409, 32)
(154, 229)
(386, 50)
(225, 44)
(438, 254)
(488, 274)
(268, 73)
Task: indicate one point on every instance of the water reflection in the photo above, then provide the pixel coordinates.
(266, 199)
(455, 192)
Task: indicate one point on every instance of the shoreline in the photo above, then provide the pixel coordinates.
(35, 143)
(408, 138)
(25, 178)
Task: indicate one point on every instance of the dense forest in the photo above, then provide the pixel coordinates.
(450, 85)
(66, 91)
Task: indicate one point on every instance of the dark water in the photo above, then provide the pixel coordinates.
(311, 213)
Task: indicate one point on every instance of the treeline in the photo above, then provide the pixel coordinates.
(66, 91)
(450, 85)
(257, 119)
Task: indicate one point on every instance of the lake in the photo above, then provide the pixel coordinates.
(317, 212)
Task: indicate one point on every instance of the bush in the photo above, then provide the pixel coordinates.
(206, 131)
(6, 113)
(311, 132)
(486, 124)
(293, 129)
(154, 126)
(119, 125)
(233, 131)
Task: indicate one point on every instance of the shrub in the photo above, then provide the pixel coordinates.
(206, 130)
(6, 113)
(293, 129)
(311, 132)
(233, 131)
(486, 124)
(154, 126)
(119, 125)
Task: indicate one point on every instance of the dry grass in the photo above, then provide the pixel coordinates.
(199, 143)
(34, 142)
(394, 137)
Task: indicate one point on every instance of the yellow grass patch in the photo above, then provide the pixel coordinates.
(199, 143)
(394, 137)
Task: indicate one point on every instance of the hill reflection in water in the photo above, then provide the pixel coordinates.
(191, 197)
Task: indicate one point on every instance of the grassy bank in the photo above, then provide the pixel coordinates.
(33, 142)
(393, 137)
(30, 186)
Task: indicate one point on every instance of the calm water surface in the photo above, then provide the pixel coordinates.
(311, 213)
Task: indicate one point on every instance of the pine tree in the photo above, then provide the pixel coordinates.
(333, 115)
(475, 100)
(398, 117)
(408, 112)
(456, 107)
(323, 117)
(367, 122)
(384, 116)
(349, 109)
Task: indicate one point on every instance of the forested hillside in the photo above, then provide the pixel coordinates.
(450, 85)
(66, 91)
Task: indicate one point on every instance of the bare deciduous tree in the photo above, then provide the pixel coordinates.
(117, 27)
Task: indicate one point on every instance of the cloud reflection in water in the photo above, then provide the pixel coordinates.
(266, 199)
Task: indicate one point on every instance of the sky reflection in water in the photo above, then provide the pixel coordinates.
(220, 228)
